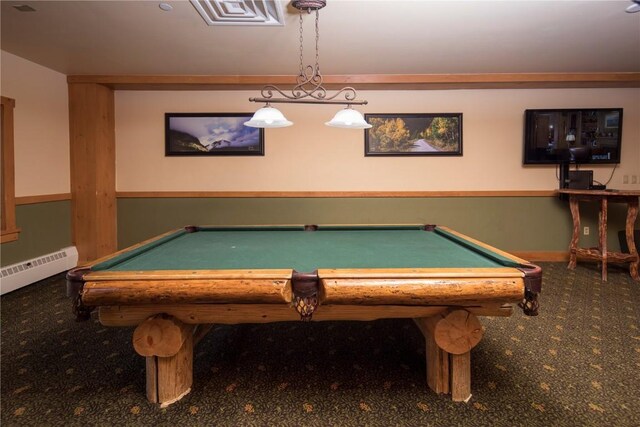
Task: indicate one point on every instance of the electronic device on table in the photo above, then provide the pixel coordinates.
(582, 180)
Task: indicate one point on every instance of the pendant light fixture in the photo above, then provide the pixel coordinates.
(309, 89)
(268, 117)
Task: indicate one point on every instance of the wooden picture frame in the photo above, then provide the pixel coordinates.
(212, 134)
(424, 134)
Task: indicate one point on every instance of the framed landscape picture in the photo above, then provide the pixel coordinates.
(212, 134)
(438, 134)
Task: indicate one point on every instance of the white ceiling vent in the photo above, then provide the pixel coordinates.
(240, 12)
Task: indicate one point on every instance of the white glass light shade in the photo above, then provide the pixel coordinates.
(348, 118)
(268, 117)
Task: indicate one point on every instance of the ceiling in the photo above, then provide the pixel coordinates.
(356, 37)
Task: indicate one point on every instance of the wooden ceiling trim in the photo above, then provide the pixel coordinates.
(369, 81)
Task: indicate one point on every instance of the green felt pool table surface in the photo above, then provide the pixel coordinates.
(335, 247)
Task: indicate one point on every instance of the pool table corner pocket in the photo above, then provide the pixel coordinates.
(75, 287)
(533, 286)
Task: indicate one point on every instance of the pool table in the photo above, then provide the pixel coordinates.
(176, 286)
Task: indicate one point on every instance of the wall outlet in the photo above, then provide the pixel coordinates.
(585, 231)
(625, 179)
(634, 179)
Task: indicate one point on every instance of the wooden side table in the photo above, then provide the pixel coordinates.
(601, 253)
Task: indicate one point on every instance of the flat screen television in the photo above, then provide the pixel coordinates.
(562, 136)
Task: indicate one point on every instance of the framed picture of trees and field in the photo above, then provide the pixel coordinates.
(437, 134)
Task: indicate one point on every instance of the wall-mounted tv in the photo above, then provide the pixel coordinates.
(590, 135)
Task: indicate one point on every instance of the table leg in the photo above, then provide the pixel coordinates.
(172, 376)
(602, 236)
(461, 377)
(450, 336)
(437, 360)
(167, 344)
(573, 246)
(437, 367)
(632, 214)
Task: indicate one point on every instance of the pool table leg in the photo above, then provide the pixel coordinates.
(461, 377)
(437, 360)
(167, 344)
(449, 337)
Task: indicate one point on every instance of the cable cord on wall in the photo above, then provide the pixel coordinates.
(610, 176)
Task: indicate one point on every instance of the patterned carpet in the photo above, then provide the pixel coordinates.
(576, 364)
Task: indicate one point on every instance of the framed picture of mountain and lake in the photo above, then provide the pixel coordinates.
(438, 134)
(212, 134)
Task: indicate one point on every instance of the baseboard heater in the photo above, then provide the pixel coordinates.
(27, 272)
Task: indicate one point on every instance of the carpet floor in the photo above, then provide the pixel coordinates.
(576, 364)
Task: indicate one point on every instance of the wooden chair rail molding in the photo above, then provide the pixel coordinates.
(369, 81)
(333, 194)
(42, 198)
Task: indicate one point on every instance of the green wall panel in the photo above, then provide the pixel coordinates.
(46, 227)
(509, 223)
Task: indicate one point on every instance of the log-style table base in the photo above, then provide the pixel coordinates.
(167, 335)
(601, 253)
(449, 337)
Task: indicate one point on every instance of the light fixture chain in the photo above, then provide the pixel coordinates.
(317, 40)
(309, 88)
(301, 47)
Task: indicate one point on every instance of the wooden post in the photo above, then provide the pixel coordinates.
(167, 344)
(93, 182)
(575, 237)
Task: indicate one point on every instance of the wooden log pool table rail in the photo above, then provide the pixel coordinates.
(376, 288)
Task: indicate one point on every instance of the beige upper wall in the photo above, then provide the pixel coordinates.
(41, 125)
(307, 156)
(310, 156)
